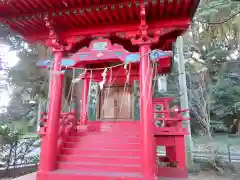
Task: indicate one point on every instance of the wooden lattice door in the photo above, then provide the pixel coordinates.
(115, 103)
(124, 103)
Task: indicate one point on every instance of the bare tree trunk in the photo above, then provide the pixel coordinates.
(200, 100)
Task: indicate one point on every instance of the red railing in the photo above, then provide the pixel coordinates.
(43, 124)
(67, 124)
(170, 134)
(171, 119)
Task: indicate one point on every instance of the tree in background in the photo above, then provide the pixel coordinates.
(212, 40)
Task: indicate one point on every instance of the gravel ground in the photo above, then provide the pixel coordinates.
(211, 176)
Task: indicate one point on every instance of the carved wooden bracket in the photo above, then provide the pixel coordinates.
(56, 42)
(53, 40)
(144, 38)
(72, 41)
(142, 35)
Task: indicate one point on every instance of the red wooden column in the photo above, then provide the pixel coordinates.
(84, 105)
(49, 142)
(146, 115)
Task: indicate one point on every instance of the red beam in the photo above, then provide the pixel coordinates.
(178, 23)
(114, 73)
(121, 79)
(62, 8)
(108, 15)
(161, 8)
(184, 8)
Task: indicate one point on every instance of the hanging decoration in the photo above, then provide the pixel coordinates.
(128, 74)
(104, 74)
(125, 65)
(79, 78)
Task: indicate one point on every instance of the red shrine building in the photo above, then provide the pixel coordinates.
(112, 44)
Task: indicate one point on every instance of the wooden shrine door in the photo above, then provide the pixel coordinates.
(115, 103)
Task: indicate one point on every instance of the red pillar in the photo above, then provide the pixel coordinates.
(146, 115)
(84, 105)
(49, 142)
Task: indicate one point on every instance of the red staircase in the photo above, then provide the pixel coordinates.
(111, 150)
(105, 151)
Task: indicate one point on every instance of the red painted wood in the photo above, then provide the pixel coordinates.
(29, 6)
(99, 145)
(76, 175)
(166, 141)
(172, 173)
(161, 8)
(49, 146)
(161, 100)
(66, 128)
(119, 71)
(146, 116)
(108, 131)
(116, 125)
(102, 29)
(103, 159)
(169, 7)
(101, 152)
(184, 7)
(172, 119)
(96, 139)
(171, 135)
(99, 167)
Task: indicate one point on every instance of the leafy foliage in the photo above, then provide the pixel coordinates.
(226, 98)
(26, 82)
(15, 149)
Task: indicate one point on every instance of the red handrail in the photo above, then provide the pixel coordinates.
(66, 126)
(170, 119)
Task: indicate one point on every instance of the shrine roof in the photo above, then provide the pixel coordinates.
(92, 17)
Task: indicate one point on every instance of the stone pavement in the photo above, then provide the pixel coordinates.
(200, 176)
(31, 176)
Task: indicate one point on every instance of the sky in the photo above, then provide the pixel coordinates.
(9, 59)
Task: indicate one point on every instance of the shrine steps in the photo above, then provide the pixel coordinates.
(91, 154)
(103, 159)
(89, 175)
(101, 152)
